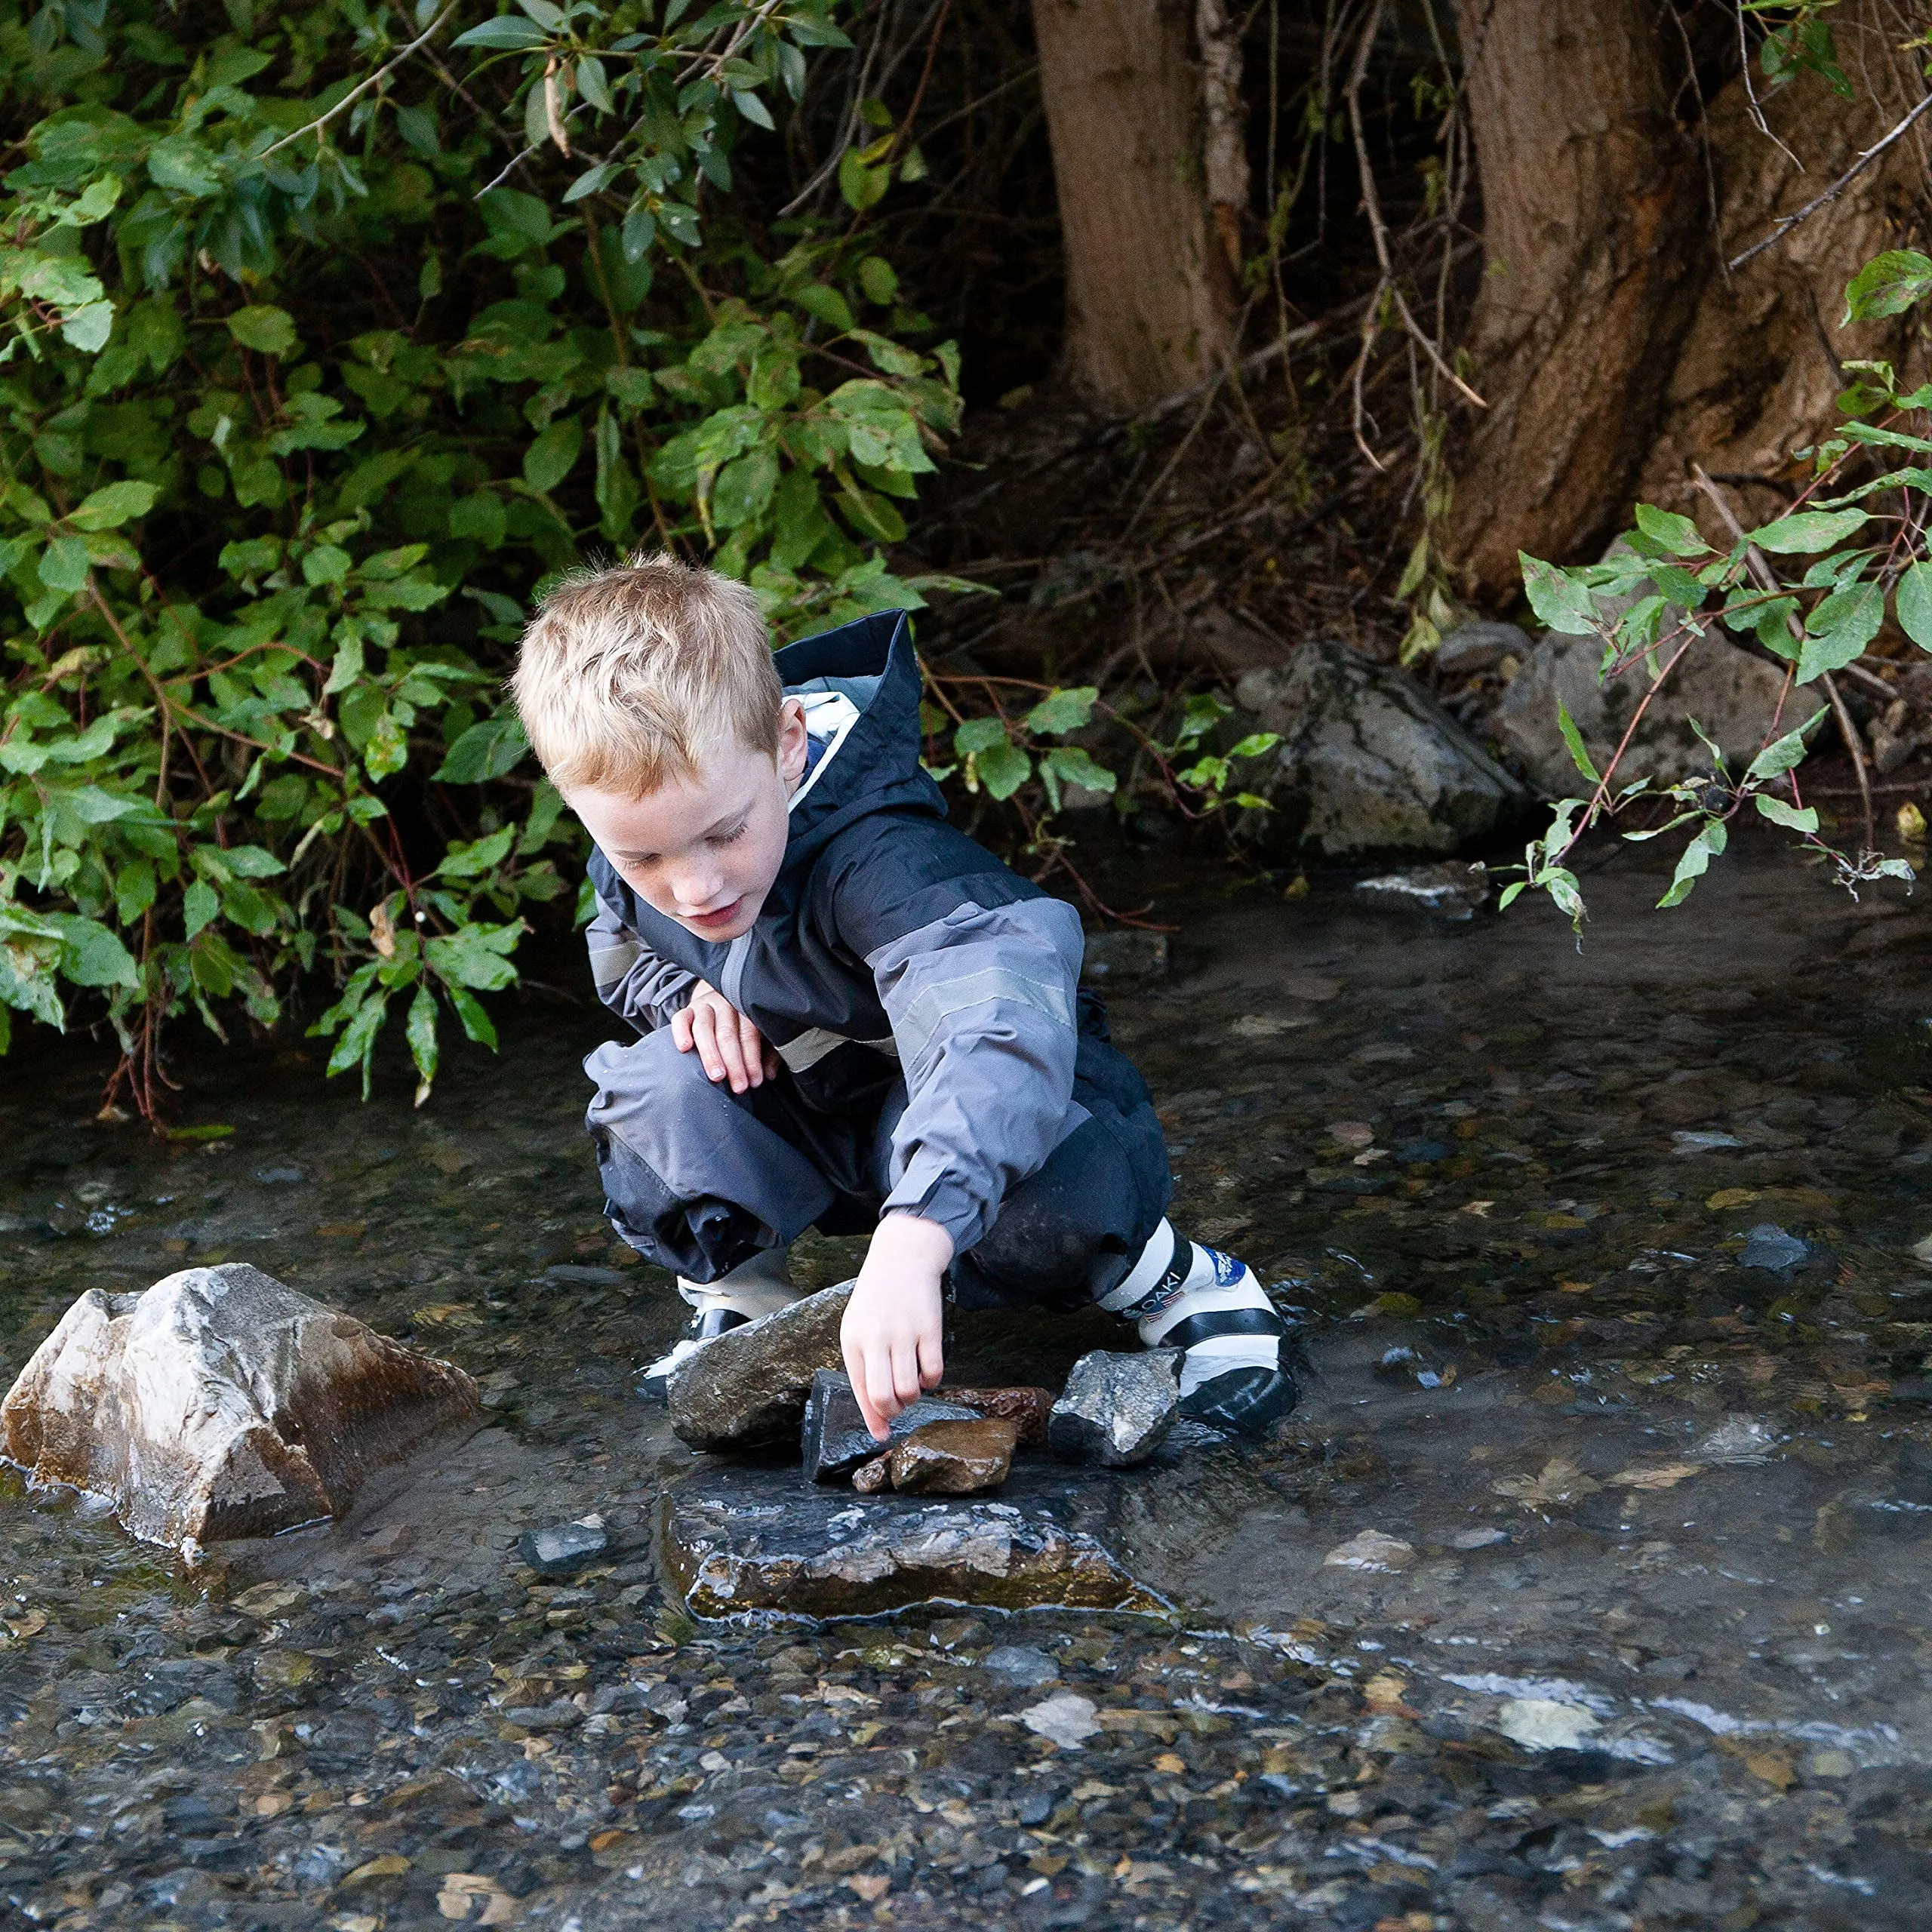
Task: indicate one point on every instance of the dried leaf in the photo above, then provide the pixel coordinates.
(1665, 1475)
(1560, 1485)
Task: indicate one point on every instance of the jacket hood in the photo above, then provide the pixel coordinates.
(875, 764)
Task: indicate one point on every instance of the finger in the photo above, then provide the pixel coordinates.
(876, 1424)
(730, 1050)
(884, 1396)
(906, 1371)
(771, 1062)
(680, 1029)
(751, 1042)
(932, 1361)
(704, 1031)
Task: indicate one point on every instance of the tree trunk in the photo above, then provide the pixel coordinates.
(1615, 348)
(1589, 189)
(1150, 293)
(1757, 371)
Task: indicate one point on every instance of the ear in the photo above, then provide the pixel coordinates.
(791, 743)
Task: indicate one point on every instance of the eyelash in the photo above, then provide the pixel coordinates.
(732, 837)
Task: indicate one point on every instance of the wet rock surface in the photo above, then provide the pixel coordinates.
(738, 1542)
(953, 1458)
(1368, 762)
(1451, 891)
(1116, 1410)
(1658, 1660)
(220, 1403)
(748, 1389)
(834, 1440)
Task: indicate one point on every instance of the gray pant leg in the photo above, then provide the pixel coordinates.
(693, 1179)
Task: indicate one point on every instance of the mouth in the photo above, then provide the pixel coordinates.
(708, 922)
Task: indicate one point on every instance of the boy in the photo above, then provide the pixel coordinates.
(852, 1015)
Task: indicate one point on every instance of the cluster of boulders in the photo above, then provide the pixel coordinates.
(762, 1385)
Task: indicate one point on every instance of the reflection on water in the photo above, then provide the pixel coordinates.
(1587, 1589)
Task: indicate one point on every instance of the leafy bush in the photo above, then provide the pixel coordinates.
(1812, 587)
(321, 353)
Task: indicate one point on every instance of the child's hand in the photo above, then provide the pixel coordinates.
(728, 1043)
(892, 1332)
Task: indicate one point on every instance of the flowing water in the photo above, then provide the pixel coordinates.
(1587, 1587)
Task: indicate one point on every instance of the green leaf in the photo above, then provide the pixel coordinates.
(1002, 769)
(1779, 813)
(476, 1023)
(1580, 753)
(200, 906)
(180, 164)
(979, 734)
(272, 330)
(92, 954)
(63, 564)
(862, 185)
(112, 505)
(1887, 285)
(1838, 630)
(465, 959)
(327, 563)
(1073, 765)
(1695, 861)
(553, 454)
(88, 327)
(1063, 711)
(420, 1030)
(1557, 598)
(357, 1043)
(1784, 752)
(1678, 535)
(502, 33)
(486, 751)
(1914, 604)
(1806, 530)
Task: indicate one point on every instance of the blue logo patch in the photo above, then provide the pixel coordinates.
(1227, 1270)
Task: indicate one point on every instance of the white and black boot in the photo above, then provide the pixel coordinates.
(758, 1287)
(1210, 1306)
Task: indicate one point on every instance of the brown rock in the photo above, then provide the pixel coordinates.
(1029, 1407)
(954, 1458)
(869, 1478)
(748, 1389)
(219, 1404)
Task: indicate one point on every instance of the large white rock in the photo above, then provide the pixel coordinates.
(220, 1403)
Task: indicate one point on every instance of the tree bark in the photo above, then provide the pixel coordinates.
(1760, 366)
(1589, 189)
(1614, 347)
(1150, 293)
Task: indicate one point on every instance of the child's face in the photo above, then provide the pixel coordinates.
(705, 851)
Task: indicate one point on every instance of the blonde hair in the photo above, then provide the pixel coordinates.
(628, 676)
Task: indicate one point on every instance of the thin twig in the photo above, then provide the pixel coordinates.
(1838, 187)
(355, 93)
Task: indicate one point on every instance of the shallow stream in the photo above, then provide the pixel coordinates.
(1588, 1589)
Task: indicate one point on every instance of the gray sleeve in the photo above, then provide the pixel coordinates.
(631, 980)
(981, 1007)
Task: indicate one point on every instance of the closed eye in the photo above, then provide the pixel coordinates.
(736, 832)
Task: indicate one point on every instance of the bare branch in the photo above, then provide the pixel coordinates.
(355, 93)
(1837, 188)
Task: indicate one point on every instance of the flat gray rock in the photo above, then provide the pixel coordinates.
(1021, 1665)
(1117, 1410)
(748, 1389)
(749, 1543)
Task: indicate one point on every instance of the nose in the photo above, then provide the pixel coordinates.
(697, 889)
